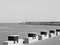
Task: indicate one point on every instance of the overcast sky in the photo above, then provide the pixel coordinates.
(32, 10)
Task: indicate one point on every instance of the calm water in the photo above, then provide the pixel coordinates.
(13, 28)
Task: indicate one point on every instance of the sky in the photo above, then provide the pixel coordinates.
(15, 11)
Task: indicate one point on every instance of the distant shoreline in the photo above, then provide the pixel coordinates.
(42, 23)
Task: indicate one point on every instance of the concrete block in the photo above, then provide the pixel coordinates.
(13, 38)
(57, 32)
(26, 40)
(32, 34)
(52, 33)
(20, 42)
(29, 40)
(44, 35)
(39, 37)
(8, 43)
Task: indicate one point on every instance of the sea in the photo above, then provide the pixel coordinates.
(22, 30)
